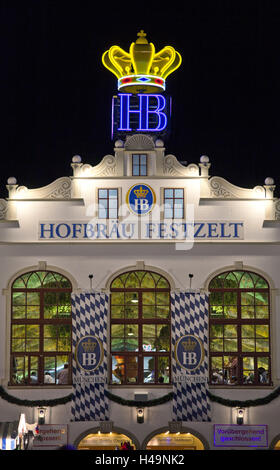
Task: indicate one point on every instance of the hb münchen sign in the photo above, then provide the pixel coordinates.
(89, 353)
(189, 352)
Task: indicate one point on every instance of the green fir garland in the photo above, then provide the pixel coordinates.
(33, 403)
(140, 404)
(245, 403)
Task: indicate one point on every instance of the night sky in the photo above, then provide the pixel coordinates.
(56, 95)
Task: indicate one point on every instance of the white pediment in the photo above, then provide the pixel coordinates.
(221, 188)
(107, 167)
(58, 189)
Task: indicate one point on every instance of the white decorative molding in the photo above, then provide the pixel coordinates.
(277, 209)
(192, 291)
(238, 265)
(221, 188)
(175, 426)
(107, 167)
(42, 265)
(172, 167)
(139, 142)
(140, 265)
(3, 208)
(258, 191)
(106, 426)
(59, 189)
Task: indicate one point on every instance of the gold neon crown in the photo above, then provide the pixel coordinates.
(189, 345)
(89, 345)
(141, 69)
(141, 193)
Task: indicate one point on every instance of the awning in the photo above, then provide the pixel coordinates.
(8, 435)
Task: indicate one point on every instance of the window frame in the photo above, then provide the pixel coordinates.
(138, 164)
(140, 321)
(239, 322)
(107, 198)
(173, 198)
(41, 322)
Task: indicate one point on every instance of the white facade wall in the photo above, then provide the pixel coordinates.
(258, 250)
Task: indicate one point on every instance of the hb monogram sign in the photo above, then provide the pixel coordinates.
(140, 199)
(149, 112)
(89, 353)
(189, 352)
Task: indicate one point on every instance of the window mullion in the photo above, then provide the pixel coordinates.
(239, 339)
(141, 322)
(34, 356)
(140, 339)
(156, 368)
(249, 317)
(41, 340)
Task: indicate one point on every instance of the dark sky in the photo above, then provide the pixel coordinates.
(56, 94)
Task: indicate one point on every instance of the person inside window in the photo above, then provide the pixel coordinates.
(33, 377)
(63, 375)
(262, 373)
(48, 379)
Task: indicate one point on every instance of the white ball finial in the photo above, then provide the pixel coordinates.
(119, 144)
(204, 159)
(76, 159)
(269, 181)
(12, 180)
(159, 143)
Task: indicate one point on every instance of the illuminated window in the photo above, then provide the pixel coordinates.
(107, 203)
(41, 329)
(173, 203)
(140, 329)
(239, 329)
(139, 165)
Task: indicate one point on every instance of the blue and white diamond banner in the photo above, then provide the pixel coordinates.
(189, 336)
(90, 358)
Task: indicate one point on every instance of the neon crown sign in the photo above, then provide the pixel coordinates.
(141, 70)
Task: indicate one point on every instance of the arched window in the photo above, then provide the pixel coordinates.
(41, 329)
(140, 328)
(239, 329)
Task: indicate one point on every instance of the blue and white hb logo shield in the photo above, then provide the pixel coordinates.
(189, 352)
(89, 353)
(140, 199)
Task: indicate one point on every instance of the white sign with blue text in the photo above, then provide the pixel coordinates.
(234, 435)
(100, 229)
